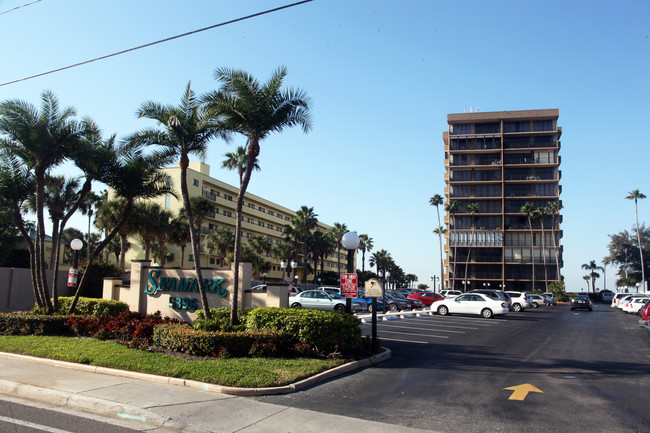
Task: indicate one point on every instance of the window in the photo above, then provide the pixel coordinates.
(487, 128)
(543, 125)
(212, 261)
(270, 226)
(461, 128)
(251, 205)
(261, 209)
(516, 126)
(190, 258)
(250, 220)
(279, 216)
(260, 223)
(227, 197)
(195, 182)
(271, 213)
(227, 213)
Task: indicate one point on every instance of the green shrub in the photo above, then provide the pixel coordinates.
(93, 306)
(220, 320)
(32, 324)
(183, 338)
(325, 332)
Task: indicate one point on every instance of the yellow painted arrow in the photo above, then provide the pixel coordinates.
(521, 391)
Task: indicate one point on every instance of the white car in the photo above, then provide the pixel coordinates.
(520, 301)
(471, 303)
(634, 304)
(617, 298)
(451, 294)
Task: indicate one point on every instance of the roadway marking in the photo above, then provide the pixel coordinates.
(417, 327)
(407, 341)
(33, 425)
(399, 332)
(521, 391)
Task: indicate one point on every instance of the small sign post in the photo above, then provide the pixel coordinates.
(373, 290)
(349, 285)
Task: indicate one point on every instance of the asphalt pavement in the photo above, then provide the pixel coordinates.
(160, 404)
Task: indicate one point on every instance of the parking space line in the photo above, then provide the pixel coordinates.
(405, 341)
(403, 333)
(416, 327)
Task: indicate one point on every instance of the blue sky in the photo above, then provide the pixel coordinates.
(383, 75)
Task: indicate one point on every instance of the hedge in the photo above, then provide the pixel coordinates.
(325, 332)
(32, 324)
(183, 338)
(220, 320)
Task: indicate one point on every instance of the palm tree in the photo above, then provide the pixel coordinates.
(187, 130)
(592, 267)
(337, 231)
(220, 240)
(255, 110)
(180, 234)
(553, 209)
(452, 207)
(299, 230)
(528, 210)
(436, 201)
(636, 195)
(237, 161)
(132, 175)
(40, 140)
(365, 244)
(320, 244)
(587, 278)
(284, 251)
(88, 207)
(541, 213)
(108, 217)
(472, 208)
(260, 244)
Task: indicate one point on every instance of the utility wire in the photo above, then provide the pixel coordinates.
(157, 42)
(18, 7)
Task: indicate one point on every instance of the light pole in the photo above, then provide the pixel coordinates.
(264, 277)
(73, 274)
(319, 280)
(383, 289)
(294, 266)
(283, 266)
(350, 242)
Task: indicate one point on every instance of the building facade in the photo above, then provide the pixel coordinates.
(500, 169)
(260, 217)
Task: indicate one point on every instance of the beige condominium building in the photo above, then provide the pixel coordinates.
(496, 163)
(260, 217)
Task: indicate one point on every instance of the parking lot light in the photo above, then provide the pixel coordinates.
(350, 242)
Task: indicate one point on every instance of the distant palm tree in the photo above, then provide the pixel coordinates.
(365, 244)
(452, 207)
(222, 241)
(299, 230)
(337, 231)
(636, 195)
(528, 209)
(592, 267)
(436, 201)
(472, 208)
(542, 212)
(587, 278)
(554, 208)
(88, 207)
(254, 110)
(237, 160)
(284, 251)
(180, 234)
(320, 244)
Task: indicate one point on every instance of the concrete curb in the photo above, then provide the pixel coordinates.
(243, 392)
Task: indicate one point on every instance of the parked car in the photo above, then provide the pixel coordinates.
(634, 304)
(415, 303)
(471, 303)
(396, 304)
(549, 298)
(617, 297)
(495, 294)
(606, 296)
(581, 301)
(628, 298)
(322, 300)
(644, 312)
(537, 300)
(450, 294)
(361, 295)
(427, 298)
(520, 301)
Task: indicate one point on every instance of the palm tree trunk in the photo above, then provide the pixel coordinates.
(541, 222)
(18, 221)
(638, 238)
(453, 279)
(40, 240)
(532, 251)
(442, 265)
(557, 258)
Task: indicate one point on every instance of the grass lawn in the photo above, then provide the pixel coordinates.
(238, 372)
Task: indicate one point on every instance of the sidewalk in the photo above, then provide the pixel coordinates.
(167, 405)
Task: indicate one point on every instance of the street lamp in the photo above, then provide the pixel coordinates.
(283, 266)
(350, 242)
(465, 283)
(294, 266)
(264, 277)
(73, 274)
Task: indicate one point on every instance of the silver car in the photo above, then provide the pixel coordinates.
(322, 300)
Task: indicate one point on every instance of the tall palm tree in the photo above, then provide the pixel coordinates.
(381, 260)
(365, 244)
(255, 110)
(587, 278)
(452, 207)
(436, 201)
(541, 213)
(187, 130)
(472, 208)
(553, 208)
(88, 207)
(337, 231)
(528, 209)
(180, 234)
(637, 195)
(237, 160)
(108, 218)
(133, 175)
(592, 267)
(299, 230)
(320, 244)
(41, 140)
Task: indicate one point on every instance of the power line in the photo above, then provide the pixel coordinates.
(18, 7)
(157, 42)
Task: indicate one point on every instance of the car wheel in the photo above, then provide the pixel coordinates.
(487, 313)
(516, 308)
(393, 307)
(296, 305)
(442, 310)
(339, 307)
(535, 305)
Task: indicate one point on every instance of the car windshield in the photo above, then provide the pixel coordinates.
(334, 295)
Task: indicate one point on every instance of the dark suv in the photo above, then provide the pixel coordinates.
(581, 301)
